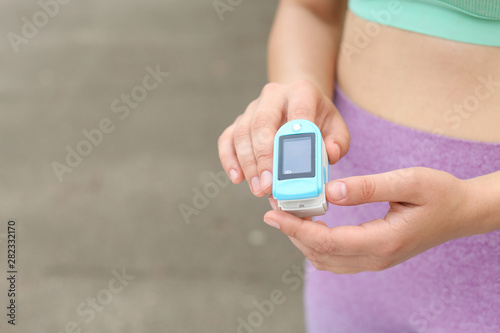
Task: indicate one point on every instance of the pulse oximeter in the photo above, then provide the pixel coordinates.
(300, 169)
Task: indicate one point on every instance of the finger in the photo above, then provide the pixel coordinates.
(343, 240)
(340, 264)
(314, 255)
(244, 150)
(335, 133)
(316, 258)
(338, 269)
(298, 243)
(227, 156)
(303, 100)
(356, 264)
(307, 102)
(265, 122)
(301, 246)
(274, 203)
(403, 185)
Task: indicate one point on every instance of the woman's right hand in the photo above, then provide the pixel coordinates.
(246, 147)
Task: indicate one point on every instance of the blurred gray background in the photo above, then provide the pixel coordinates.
(117, 211)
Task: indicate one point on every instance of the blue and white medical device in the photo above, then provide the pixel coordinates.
(300, 169)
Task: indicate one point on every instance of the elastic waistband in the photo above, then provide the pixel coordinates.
(433, 18)
(381, 145)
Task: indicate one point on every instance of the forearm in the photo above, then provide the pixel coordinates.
(304, 42)
(485, 202)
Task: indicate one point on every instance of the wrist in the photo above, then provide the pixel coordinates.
(326, 89)
(482, 205)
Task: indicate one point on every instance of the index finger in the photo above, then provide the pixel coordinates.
(303, 101)
(266, 121)
(342, 240)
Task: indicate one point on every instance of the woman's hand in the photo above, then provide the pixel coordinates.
(427, 208)
(246, 147)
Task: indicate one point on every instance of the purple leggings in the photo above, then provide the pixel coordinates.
(454, 287)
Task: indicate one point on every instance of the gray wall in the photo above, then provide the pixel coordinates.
(118, 209)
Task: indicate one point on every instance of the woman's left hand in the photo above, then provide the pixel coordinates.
(427, 208)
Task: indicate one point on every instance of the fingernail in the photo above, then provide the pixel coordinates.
(338, 191)
(273, 204)
(255, 185)
(233, 174)
(272, 223)
(266, 179)
(338, 149)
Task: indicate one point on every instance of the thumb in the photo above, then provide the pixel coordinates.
(401, 185)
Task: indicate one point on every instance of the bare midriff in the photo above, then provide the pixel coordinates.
(432, 84)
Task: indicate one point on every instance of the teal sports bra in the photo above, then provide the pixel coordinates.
(468, 21)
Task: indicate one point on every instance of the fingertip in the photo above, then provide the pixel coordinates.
(262, 186)
(266, 180)
(337, 139)
(282, 217)
(233, 175)
(255, 185)
(271, 219)
(273, 203)
(338, 151)
(269, 215)
(239, 180)
(274, 215)
(333, 150)
(272, 223)
(336, 191)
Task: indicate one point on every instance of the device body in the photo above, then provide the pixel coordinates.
(300, 169)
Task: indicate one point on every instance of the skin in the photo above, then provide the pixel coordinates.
(415, 86)
(417, 220)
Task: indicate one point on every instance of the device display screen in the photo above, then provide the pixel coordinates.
(297, 157)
